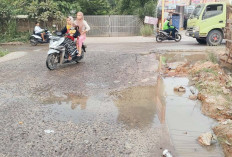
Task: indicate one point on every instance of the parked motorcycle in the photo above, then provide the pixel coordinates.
(162, 35)
(35, 39)
(56, 53)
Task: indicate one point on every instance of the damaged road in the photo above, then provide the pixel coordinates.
(106, 105)
(82, 109)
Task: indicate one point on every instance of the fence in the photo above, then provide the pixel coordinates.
(101, 25)
(114, 25)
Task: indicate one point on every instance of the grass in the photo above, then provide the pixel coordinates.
(146, 30)
(3, 52)
(20, 36)
(163, 60)
(207, 71)
(212, 57)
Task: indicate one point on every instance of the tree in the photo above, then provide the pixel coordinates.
(95, 7)
(141, 8)
(8, 10)
(45, 11)
(68, 7)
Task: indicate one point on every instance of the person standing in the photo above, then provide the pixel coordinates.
(83, 29)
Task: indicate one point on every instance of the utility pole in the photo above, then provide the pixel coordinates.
(162, 17)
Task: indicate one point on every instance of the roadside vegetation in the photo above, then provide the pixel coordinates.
(3, 52)
(47, 11)
(146, 30)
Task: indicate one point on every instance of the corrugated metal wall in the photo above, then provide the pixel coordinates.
(101, 25)
(114, 25)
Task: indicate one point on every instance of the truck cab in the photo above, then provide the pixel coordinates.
(207, 23)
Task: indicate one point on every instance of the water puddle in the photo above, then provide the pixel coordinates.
(136, 107)
(186, 122)
(140, 108)
(133, 107)
(80, 109)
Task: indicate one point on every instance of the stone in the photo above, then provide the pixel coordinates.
(193, 97)
(205, 139)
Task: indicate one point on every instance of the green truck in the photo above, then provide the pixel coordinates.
(207, 23)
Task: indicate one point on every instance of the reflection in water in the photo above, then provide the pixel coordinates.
(72, 99)
(160, 100)
(136, 106)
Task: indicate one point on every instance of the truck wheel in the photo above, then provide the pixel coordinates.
(201, 41)
(214, 38)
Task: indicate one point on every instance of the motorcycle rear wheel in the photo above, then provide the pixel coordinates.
(159, 39)
(52, 61)
(33, 41)
(82, 55)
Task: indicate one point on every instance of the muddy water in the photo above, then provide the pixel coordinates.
(186, 122)
(141, 108)
(133, 107)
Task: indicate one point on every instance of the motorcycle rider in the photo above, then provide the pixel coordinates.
(72, 33)
(39, 31)
(83, 29)
(169, 29)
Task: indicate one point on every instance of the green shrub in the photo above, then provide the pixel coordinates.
(3, 52)
(146, 30)
(18, 36)
(212, 57)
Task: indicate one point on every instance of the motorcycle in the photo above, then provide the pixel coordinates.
(162, 35)
(35, 39)
(56, 53)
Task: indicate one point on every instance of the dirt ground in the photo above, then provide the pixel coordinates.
(93, 108)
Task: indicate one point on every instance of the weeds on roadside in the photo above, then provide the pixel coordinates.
(19, 36)
(207, 71)
(212, 57)
(163, 60)
(3, 52)
(146, 30)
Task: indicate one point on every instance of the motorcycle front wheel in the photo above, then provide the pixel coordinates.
(159, 39)
(52, 61)
(178, 38)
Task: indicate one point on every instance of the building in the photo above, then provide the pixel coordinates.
(181, 8)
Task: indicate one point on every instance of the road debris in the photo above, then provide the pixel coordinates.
(179, 89)
(228, 121)
(220, 108)
(228, 143)
(193, 97)
(49, 131)
(166, 153)
(205, 139)
(176, 65)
